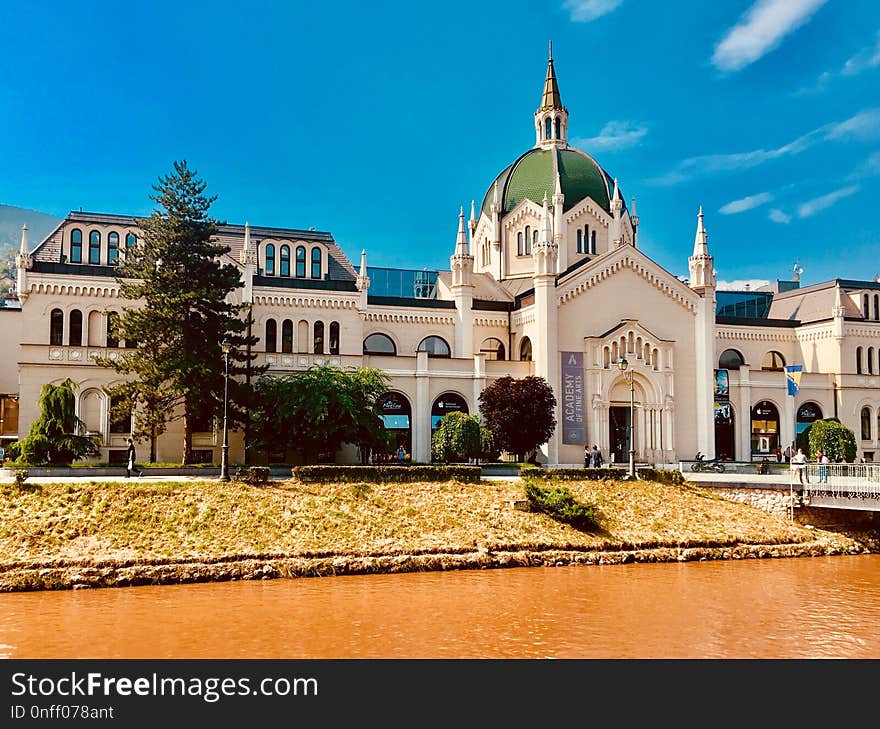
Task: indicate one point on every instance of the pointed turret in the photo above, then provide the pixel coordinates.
(362, 282)
(461, 241)
(248, 259)
(461, 263)
(472, 222)
(551, 118)
(615, 230)
(701, 263)
(838, 312)
(248, 250)
(558, 221)
(23, 263)
(545, 251)
(634, 218)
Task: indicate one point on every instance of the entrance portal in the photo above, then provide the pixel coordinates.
(618, 435)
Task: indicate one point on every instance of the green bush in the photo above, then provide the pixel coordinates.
(558, 503)
(21, 476)
(572, 474)
(489, 451)
(662, 475)
(13, 451)
(834, 439)
(252, 475)
(457, 438)
(380, 474)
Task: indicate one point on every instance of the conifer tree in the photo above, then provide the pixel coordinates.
(181, 292)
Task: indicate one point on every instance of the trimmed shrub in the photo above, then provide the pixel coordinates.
(252, 475)
(559, 504)
(572, 474)
(380, 474)
(834, 439)
(662, 475)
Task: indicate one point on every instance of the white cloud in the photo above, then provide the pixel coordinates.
(817, 204)
(583, 11)
(869, 168)
(746, 203)
(777, 216)
(750, 284)
(614, 135)
(760, 30)
(862, 126)
(863, 60)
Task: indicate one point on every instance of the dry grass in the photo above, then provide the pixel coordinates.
(134, 522)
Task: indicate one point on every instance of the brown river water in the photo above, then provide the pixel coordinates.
(820, 607)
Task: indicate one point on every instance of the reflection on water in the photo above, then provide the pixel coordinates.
(771, 608)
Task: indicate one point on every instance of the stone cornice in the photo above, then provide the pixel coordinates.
(305, 301)
(410, 317)
(490, 321)
(66, 288)
(755, 335)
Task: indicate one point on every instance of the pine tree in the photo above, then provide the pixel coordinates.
(180, 287)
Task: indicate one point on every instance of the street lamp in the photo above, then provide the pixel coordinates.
(622, 365)
(225, 345)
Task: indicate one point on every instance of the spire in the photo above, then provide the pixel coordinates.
(551, 99)
(248, 254)
(473, 212)
(363, 272)
(557, 185)
(24, 240)
(546, 235)
(472, 223)
(495, 194)
(701, 245)
(461, 241)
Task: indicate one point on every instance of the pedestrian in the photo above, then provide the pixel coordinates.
(131, 456)
(588, 456)
(778, 454)
(401, 455)
(596, 457)
(787, 454)
(799, 464)
(823, 466)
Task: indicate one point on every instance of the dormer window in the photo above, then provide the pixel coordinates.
(76, 245)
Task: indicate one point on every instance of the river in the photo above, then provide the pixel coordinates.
(820, 607)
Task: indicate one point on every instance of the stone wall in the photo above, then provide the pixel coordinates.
(776, 501)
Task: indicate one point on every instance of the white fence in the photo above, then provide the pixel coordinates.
(840, 480)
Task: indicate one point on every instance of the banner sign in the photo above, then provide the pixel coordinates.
(573, 430)
(722, 384)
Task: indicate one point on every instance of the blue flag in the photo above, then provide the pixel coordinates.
(793, 378)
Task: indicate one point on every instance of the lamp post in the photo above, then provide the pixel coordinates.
(225, 345)
(622, 365)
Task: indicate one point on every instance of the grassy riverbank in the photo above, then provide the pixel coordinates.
(106, 534)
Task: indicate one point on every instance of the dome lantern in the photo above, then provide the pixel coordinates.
(551, 118)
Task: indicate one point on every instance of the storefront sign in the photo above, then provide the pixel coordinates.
(573, 431)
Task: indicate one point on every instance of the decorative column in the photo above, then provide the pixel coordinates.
(421, 426)
(744, 419)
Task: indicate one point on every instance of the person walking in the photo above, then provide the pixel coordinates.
(588, 457)
(596, 457)
(799, 464)
(131, 456)
(401, 455)
(823, 461)
(778, 454)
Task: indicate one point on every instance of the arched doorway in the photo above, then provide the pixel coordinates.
(725, 443)
(397, 419)
(619, 431)
(448, 402)
(807, 414)
(765, 429)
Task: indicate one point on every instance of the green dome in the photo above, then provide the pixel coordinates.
(532, 175)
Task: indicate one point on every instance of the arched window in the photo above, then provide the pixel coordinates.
(287, 336)
(580, 241)
(773, 361)
(520, 246)
(300, 262)
(270, 259)
(95, 247)
(130, 240)
(76, 245)
(379, 344)
(730, 359)
(858, 360)
(876, 306)
(316, 262)
(112, 329)
(271, 335)
(870, 360)
(525, 350)
(765, 428)
(558, 132)
(593, 241)
(533, 238)
(548, 128)
(319, 337)
(807, 414)
(112, 248)
(56, 327)
(449, 402)
(76, 328)
(435, 347)
(866, 423)
(528, 238)
(120, 422)
(492, 348)
(284, 261)
(334, 337)
(866, 306)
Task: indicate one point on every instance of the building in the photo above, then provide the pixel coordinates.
(546, 277)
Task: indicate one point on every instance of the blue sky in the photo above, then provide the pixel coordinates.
(376, 121)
